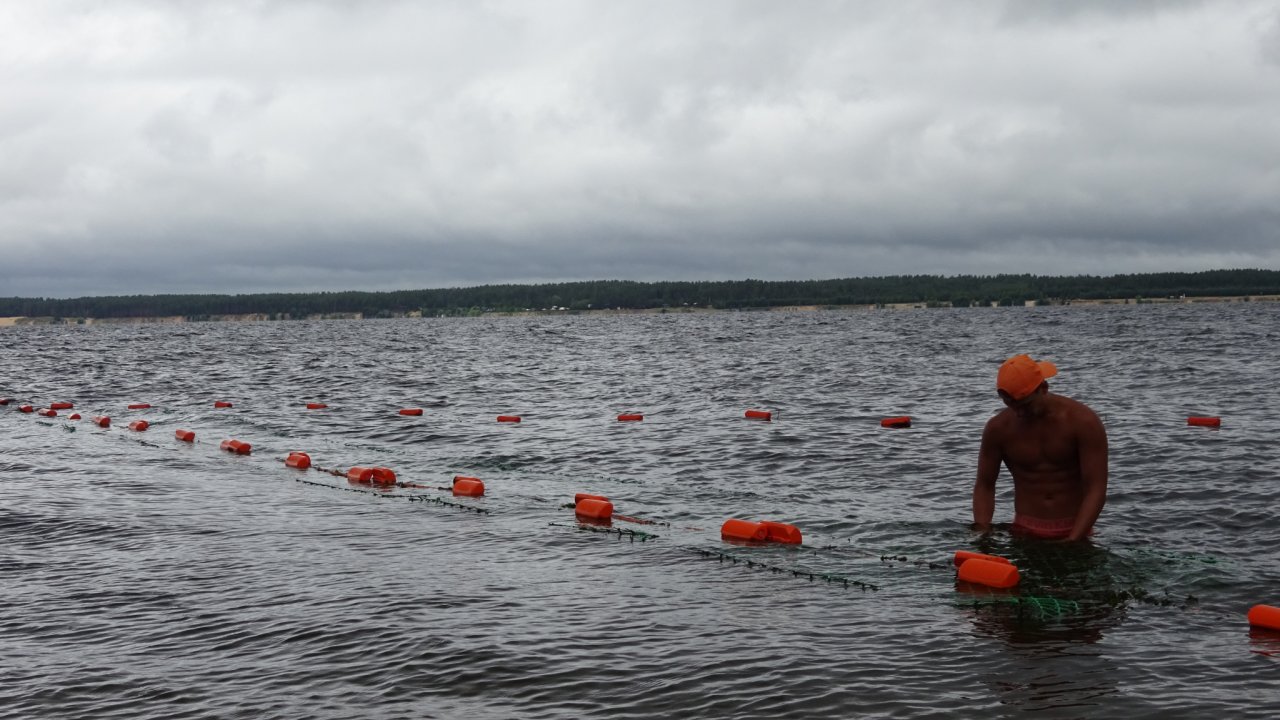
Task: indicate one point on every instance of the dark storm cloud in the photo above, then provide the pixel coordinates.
(236, 147)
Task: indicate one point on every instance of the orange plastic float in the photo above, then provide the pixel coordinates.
(579, 497)
(782, 533)
(139, 425)
(139, 406)
(759, 415)
(1205, 421)
(221, 404)
(73, 416)
(411, 411)
(60, 406)
(903, 421)
(989, 573)
(5, 401)
(1266, 616)
(47, 412)
(237, 447)
(299, 460)
(185, 435)
(382, 476)
(630, 417)
(509, 418)
(102, 421)
(962, 555)
(316, 406)
(26, 409)
(464, 486)
(593, 509)
(360, 475)
(743, 531)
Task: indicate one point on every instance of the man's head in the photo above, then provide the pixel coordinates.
(1020, 377)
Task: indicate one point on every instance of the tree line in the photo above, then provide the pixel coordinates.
(932, 290)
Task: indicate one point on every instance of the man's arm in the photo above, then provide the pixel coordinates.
(1093, 473)
(984, 488)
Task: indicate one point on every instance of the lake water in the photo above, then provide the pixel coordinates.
(143, 577)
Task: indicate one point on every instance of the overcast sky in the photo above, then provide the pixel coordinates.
(225, 146)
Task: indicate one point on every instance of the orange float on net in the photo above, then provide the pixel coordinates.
(73, 416)
(221, 404)
(26, 409)
(1266, 616)
(382, 476)
(102, 421)
(237, 447)
(467, 486)
(1205, 421)
(782, 533)
(47, 412)
(5, 401)
(299, 460)
(579, 497)
(360, 475)
(185, 435)
(903, 421)
(989, 573)
(509, 418)
(316, 406)
(139, 425)
(60, 406)
(759, 415)
(411, 411)
(962, 555)
(630, 417)
(593, 509)
(139, 406)
(743, 531)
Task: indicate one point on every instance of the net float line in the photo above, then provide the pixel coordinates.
(630, 417)
(1213, 422)
(411, 498)
(508, 418)
(633, 535)
(601, 509)
(759, 415)
(722, 556)
(1264, 616)
(748, 531)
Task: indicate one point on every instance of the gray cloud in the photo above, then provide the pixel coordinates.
(277, 146)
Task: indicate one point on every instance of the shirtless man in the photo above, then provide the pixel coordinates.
(1055, 449)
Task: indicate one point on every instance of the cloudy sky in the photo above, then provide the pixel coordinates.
(184, 146)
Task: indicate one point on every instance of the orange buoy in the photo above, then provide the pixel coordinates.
(1205, 421)
(316, 406)
(60, 406)
(139, 425)
(360, 475)
(989, 573)
(47, 412)
(759, 415)
(579, 497)
(743, 530)
(26, 409)
(299, 460)
(139, 406)
(382, 476)
(221, 404)
(630, 417)
(782, 532)
(467, 486)
(962, 555)
(1266, 616)
(185, 435)
(411, 411)
(593, 509)
(903, 421)
(237, 447)
(102, 421)
(5, 401)
(509, 418)
(73, 416)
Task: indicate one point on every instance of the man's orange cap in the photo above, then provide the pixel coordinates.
(1020, 375)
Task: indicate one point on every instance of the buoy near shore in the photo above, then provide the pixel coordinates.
(102, 421)
(962, 555)
(593, 509)
(989, 573)
(903, 421)
(413, 412)
(630, 417)
(237, 447)
(185, 435)
(1266, 616)
(139, 406)
(26, 409)
(509, 418)
(47, 412)
(464, 486)
(758, 415)
(299, 460)
(743, 531)
(60, 406)
(139, 425)
(1204, 421)
(316, 406)
(221, 404)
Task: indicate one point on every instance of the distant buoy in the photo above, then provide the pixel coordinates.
(579, 497)
(5, 401)
(60, 406)
(962, 555)
(509, 418)
(896, 422)
(781, 533)
(759, 415)
(630, 417)
(47, 412)
(102, 421)
(1205, 421)
(316, 406)
(593, 509)
(743, 530)
(237, 447)
(1266, 616)
(185, 435)
(139, 425)
(467, 486)
(360, 475)
(26, 409)
(382, 476)
(139, 406)
(221, 404)
(989, 573)
(299, 460)
(411, 411)
(73, 416)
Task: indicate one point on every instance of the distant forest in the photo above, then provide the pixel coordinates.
(934, 291)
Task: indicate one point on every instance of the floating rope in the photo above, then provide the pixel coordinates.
(827, 577)
(628, 533)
